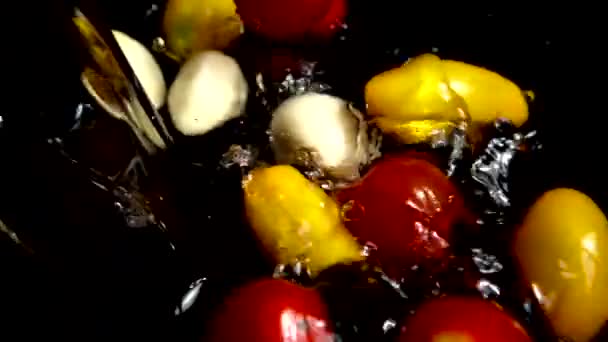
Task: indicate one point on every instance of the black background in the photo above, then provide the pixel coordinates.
(85, 282)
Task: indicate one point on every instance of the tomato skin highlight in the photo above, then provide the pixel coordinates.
(192, 26)
(406, 207)
(462, 319)
(562, 249)
(428, 95)
(292, 20)
(296, 221)
(271, 310)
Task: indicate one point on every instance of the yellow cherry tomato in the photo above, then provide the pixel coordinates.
(427, 94)
(562, 248)
(197, 25)
(295, 220)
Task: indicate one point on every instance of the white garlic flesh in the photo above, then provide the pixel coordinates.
(322, 129)
(144, 66)
(209, 90)
(150, 77)
(147, 71)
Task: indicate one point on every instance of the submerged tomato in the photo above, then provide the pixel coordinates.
(289, 20)
(406, 207)
(428, 95)
(272, 311)
(197, 25)
(562, 247)
(462, 319)
(296, 221)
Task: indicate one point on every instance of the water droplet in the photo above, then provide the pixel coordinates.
(190, 296)
(352, 211)
(369, 248)
(487, 289)
(159, 45)
(486, 263)
(388, 325)
(238, 155)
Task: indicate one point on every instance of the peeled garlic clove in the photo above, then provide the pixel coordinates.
(209, 90)
(429, 92)
(147, 71)
(144, 66)
(197, 25)
(324, 128)
(295, 220)
(108, 85)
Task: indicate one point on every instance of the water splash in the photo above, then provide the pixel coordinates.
(486, 263)
(491, 169)
(302, 81)
(488, 289)
(133, 208)
(190, 297)
(244, 157)
(14, 237)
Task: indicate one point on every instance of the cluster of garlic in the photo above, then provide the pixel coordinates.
(210, 89)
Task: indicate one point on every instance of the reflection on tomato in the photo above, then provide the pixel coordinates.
(428, 95)
(272, 310)
(562, 248)
(296, 221)
(405, 207)
(289, 20)
(197, 25)
(462, 319)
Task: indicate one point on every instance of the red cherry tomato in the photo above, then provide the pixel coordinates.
(406, 208)
(289, 20)
(272, 311)
(462, 319)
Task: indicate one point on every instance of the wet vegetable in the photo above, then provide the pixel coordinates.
(272, 311)
(197, 25)
(148, 73)
(114, 90)
(427, 96)
(462, 319)
(209, 90)
(406, 208)
(562, 247)
(292, 20)
(323, 130)
(144, 65)
(296, 221)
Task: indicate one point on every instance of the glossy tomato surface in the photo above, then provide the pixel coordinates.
(292, 20)
(562, 248)
(272, 310)
(295, 220)
(197, 25)
(462, 319)
(406, 208)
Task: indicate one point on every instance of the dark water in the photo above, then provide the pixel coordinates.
(111, 240)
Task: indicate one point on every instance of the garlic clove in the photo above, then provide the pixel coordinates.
(107, 84)
(326, 128)
(209, 90)
(145, 67)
